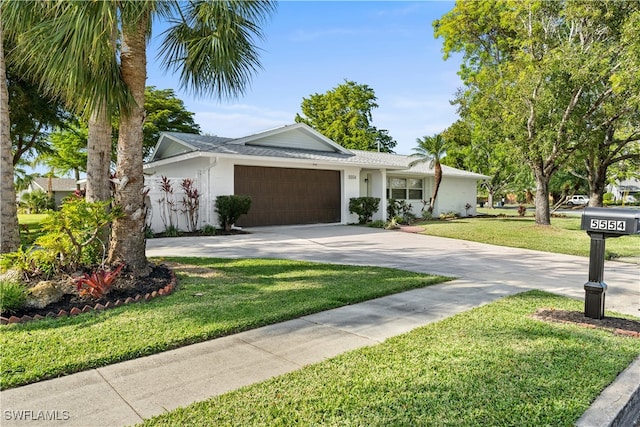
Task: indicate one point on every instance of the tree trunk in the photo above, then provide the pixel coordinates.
(128, 242)
(436, 185)
(597, 185)
(99, 156)
(543, 213)
(9, 232)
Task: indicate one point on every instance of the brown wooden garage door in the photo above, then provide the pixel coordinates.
(282, 196)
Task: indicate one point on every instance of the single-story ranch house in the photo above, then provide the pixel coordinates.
(296, 175)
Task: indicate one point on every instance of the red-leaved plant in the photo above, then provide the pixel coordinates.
(98, 283)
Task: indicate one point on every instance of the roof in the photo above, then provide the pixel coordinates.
(298, 141)
(404, 162)
(57, 184)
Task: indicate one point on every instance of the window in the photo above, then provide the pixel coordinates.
(404, 188)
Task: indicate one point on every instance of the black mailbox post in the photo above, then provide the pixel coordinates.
(600, 224)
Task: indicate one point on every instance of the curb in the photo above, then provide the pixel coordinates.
(619, 404)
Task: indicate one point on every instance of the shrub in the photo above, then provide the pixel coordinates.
(208, 230)
(72, 234)
(229, 209)
(607, 199)
(171, 231)
(12, 296)
(364, 207)
(391, 225)
(449, 215)
(522, 210)
(35, 201)
(148, 232)
(401, 210)
(70, 238)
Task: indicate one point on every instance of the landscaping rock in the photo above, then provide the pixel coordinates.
(43, 294)
(11, 275)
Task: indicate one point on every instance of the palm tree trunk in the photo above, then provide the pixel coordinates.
(99, 156)
(127, 236)
(9, 232)
(436, 186)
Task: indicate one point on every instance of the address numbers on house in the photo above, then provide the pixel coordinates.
(607, 225)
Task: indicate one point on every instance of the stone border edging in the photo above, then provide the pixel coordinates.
(166, 290)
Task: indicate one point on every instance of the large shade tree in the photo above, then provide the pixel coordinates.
(211, 44)
(344, 114)
(545, 71)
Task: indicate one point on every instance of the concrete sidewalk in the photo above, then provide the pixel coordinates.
(127, 392)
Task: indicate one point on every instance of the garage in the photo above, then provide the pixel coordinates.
(287, 196)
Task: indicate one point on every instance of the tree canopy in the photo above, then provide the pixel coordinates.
(542, 76)
(344, 114)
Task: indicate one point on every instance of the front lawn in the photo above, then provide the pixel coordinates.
(215, 297)
(494, 365)
(562, 236)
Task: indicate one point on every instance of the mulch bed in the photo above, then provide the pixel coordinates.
(161, 281)
(616, 325)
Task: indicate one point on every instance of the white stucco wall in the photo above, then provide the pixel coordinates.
(214, 177)
(454, 194)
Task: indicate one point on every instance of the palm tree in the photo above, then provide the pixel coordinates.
(211, 43)
(431, 149)
(9, 231)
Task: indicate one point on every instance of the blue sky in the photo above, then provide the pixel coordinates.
(312, 47)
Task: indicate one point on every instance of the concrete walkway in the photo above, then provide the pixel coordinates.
(127, 392)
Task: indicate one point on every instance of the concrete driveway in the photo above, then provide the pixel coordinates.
(476, 262)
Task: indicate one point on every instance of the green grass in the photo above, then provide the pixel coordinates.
(215, 297)
(563, 236)
(493, 365)
(33, 223)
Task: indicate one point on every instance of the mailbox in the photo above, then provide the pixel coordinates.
(610, 221)
(600, 224)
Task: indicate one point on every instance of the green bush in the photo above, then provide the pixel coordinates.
(208, 230)
(12, 296)
(71, 237)
(229, 209)
(364, 207)
(607, 197)
(400, 210)
(171, 231)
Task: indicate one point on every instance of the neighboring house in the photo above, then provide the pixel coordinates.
(622, 189)
(59, 188)
(296, 175)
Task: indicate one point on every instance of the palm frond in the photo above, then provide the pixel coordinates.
(212, 44)
(70, 49)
